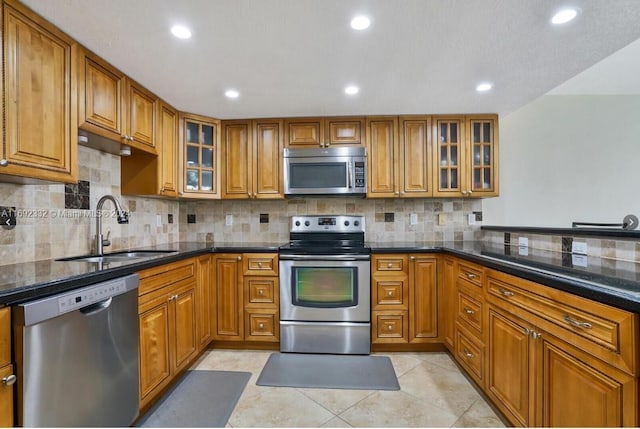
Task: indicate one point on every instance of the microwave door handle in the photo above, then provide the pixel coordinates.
(350, 175)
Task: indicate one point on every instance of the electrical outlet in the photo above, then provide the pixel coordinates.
(442, 219)
(579, 260)
(471, 218)
(158, 220)
(228, 220)
(579, 247)
(413, 218)
(523, 246)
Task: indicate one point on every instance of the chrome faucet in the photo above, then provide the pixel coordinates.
(123, 217)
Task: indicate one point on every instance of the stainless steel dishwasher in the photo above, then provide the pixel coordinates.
(77, 356)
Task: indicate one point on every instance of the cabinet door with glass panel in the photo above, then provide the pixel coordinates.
(465, 154)
(200, 159)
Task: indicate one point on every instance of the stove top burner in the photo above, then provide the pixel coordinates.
(326, 235)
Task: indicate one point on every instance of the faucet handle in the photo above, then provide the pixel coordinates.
(105, 241)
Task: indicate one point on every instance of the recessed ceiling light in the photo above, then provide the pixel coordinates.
(360, 22)
(181, 32)
(484, 87)
(232, 93)
(564, 16)
(351, 90)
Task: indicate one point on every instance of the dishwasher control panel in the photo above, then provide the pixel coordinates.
(90, 295)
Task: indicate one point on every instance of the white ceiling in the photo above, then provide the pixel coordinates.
(294, 57)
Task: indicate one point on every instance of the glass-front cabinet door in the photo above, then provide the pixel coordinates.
(199, 138)
(449, 154)
(483, 148)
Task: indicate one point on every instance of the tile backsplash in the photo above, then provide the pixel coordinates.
(246, 226)
(46, 229)
(53, 220)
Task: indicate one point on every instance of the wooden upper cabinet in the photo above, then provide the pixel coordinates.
(39, 86)
(199, 158)
(382, 157)
(449, 144)
(416, 158)
(100, 92)
(482, 161)
(140, 116)
(324, 132)
(167, 144)
(114, 106)
(251, 161)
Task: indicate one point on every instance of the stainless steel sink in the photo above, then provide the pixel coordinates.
(127, 255)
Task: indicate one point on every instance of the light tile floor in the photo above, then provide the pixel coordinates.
(433, 393)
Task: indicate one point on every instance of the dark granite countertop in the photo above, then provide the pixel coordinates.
(31, 280)
(609, 281)
(605, 280)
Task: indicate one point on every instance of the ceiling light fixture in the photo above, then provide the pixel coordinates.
(351, 90)
(360, 22)
(181, 32)
(484, 87)
(564, 16)
(232, 93)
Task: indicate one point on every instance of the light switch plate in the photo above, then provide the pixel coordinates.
(158, 220)
(442, 219)
(579, 247)
(413, 218)
(228, 220)
(523, 241)
(471, 217)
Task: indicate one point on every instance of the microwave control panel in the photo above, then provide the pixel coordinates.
(359, 175)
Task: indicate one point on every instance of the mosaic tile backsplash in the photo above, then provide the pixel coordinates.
(210, 218)
(54, 221)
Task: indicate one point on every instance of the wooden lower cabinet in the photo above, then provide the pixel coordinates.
(449, 306)
(6, 369)
(167, 317)
(246, 302)
(204, 298)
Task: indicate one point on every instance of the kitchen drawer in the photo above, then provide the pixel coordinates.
(261, 291)
(390, 293)
(390, 263)
(5, 336)
(470, 273)
(470, 312)
(260, 264)
(158, 277)
(262, 325)
(390, 327)
(604, 331)
(470, 354)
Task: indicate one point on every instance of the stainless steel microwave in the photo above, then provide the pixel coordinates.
(326, 171)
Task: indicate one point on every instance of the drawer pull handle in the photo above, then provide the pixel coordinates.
(259, 264)
(9, 380)
(505, 292)
(260, 292)
(470, 276)
(577, 323)
(390, 293)
(261, 325)
(389, 265)
(468, 310)
(390, 327)
(239, 258)
(413, 258)
(467, 353)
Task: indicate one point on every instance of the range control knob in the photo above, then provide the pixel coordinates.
(356, 223)
(307, 223)
(297, 223)
(346, 223)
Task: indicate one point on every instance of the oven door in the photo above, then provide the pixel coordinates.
(328, 288)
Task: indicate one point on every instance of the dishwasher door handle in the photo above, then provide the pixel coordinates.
(95, 308)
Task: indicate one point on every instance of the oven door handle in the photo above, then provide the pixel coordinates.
(325, 257)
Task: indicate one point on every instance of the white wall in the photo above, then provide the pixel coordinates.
(567, 158)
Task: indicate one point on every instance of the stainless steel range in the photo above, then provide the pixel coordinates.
(325, 286)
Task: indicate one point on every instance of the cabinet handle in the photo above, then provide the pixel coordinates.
(239, 258)
(577, 323)
(464, 193)
(259, 264)
(9, 380)
(535, 335)
(390, 293)
(505, 292)
(397, 192)
(527, 331)
(389, 327)
(413, 258)
(467, 353)
(470, 276)
(260, 292)
(261, 325)
(3, 162)
(468, 311)
(389, 265)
